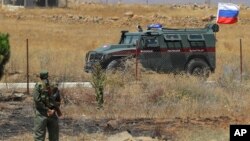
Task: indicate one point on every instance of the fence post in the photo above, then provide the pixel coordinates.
(241, 69)
(27, 55)
(136, 59)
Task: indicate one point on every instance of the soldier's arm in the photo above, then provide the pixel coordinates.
(37, 99)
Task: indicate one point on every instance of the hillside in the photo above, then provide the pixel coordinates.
(159, 106)
(76, 30)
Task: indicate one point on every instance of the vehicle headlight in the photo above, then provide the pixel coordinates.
(106, 57)
(98, 56)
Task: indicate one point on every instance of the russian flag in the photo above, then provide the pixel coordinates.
(227, 13)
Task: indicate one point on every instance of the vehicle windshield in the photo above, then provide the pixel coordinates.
(129, 39)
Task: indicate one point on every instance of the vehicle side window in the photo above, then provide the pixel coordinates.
(130, 39)
(134, 39)
(174, 44)
(197, 44)
(196, 40)
(151, 42)
(127, 39)
(173, 41)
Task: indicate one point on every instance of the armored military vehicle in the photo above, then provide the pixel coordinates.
(160, 49)
(4, 51)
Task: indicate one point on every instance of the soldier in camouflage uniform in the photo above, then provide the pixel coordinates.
(46, 116)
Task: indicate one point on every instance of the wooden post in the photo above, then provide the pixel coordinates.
(136, 60)
(27, 55)
(241, 68)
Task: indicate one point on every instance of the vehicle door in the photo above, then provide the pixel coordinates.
(150, 53)
(176, 51)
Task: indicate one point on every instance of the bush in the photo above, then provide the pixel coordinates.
(98, 82)
(4, 51)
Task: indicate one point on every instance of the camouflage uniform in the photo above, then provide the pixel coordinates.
(43, 101)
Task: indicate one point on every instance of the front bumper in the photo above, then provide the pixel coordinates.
(91, 59)
(88, 67)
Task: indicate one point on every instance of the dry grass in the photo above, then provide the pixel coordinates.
(163, 96)
(65, 44)
(198, 134)
(60, 48)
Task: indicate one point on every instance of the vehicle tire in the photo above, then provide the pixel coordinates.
(115, 65)
(198, 67)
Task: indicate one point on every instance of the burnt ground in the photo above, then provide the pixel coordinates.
(16, 117)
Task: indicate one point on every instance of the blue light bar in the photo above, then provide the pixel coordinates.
(154, 26)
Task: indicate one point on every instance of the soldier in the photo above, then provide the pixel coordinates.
(47, 102)
(139, 28)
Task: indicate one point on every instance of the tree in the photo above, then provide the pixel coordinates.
(4, 51)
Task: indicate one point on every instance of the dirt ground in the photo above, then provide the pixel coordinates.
(17, 118)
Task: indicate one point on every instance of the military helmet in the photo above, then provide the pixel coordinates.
(44, 74)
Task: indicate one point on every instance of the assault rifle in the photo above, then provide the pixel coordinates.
(54, 104)
(54, 98)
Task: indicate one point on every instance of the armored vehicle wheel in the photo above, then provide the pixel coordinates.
(198, 67)
(115, 65)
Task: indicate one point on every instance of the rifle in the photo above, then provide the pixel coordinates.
(53, 95)
(57, 109)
